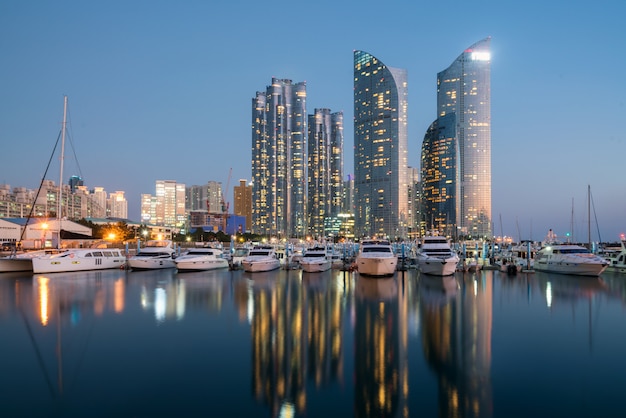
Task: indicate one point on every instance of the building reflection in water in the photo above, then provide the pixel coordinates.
(300, 325)
(296, 323)
(456, 337)
(381, 367)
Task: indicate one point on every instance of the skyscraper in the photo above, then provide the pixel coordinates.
(325, 168)
(464, 88)
(380, 148)
(279, 159)
(439, 175)
(169, 204)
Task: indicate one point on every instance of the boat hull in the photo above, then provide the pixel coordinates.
(8, 264)
(78, 261)
(574, 269)
(315, 266)
(376, 266)
(151, 264)
(260, 266)
(202, 265)
(437, 267)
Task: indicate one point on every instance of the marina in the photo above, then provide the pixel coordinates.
(291, 343)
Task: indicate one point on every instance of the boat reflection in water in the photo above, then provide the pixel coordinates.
(380, 351)
(288, 343)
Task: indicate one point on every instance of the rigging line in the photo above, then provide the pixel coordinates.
(595, 215)
(32, 208)
(71, 135)
(38, 354)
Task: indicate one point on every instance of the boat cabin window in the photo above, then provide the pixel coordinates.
(259, 252)
(376, 250)
(97, 254)
(107, 253)
(571, 251)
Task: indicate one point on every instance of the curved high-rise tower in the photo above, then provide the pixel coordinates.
(380, 148)
(464, 88)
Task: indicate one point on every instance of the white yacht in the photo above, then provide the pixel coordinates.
(435, 256)
(315, 260)
(156, 254)
(238, 256)
(376, 258)
(261, 258)
(569, 259)
(617, 259)
(79, 259)
(200, 259)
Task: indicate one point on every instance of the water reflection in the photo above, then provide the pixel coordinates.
(381, 373)
(288, 343)
(456, 341)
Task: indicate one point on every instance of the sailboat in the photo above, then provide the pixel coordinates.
(569, 258)
(19, 261)
(75, 259)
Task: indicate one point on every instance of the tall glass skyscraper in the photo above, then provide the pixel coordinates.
(279, 160)
(464, 88)
(380, 148)
(325, 168)
(439, 174)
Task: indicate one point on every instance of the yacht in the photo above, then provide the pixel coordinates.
(200, 259)
(376, 258)
(315, 260)
(79, 259)
(524, 254)
(569, 259)
(617, 259)
(261, 258)
(436, 257)
(238, 256)
(156, 254)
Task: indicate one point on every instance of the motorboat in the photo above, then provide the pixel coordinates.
(79, 259)
(524, 254)
(200, 259)
(315, 260)
(435, 256)
(569, 259)
(238, 256)
(156, 254)
(261, 258)
(376, 258)
(507, 263)
(617, 259)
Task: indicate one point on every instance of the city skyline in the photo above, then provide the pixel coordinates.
(148, 104)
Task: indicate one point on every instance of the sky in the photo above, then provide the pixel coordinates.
(162, 90)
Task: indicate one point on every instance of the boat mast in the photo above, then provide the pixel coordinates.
(589, 215)
(60, 197)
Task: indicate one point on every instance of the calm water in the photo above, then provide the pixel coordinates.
(334, 344)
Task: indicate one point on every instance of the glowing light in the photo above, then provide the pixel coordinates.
(44, 299)
(480, 56)
(549, 294)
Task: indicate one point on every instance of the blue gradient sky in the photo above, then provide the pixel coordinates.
(163, 90)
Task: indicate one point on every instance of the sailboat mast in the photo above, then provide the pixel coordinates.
(589, 215)
(60, 197)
